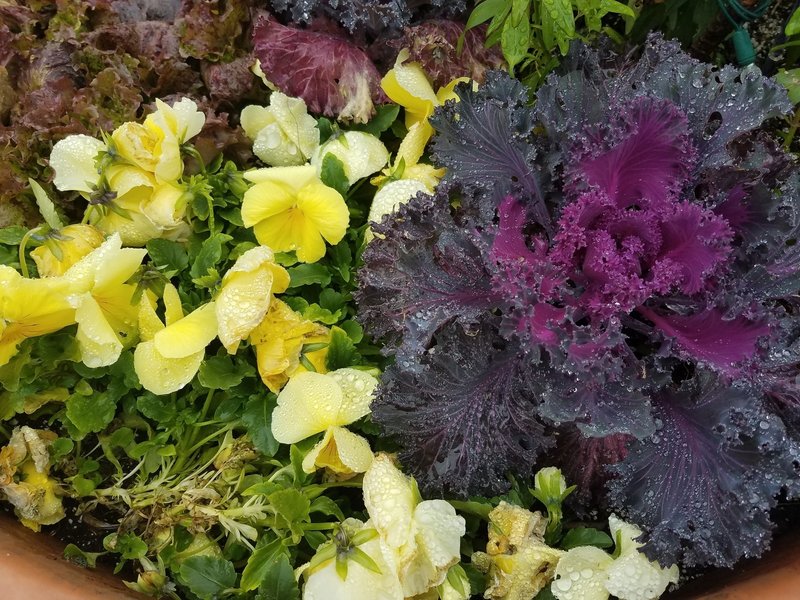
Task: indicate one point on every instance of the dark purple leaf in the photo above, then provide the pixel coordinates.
(467, 417)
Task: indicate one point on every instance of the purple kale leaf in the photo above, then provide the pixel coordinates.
(485, 142)
(467, 417)
(702, 485)
(422, 271)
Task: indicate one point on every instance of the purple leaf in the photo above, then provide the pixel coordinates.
(702, 485)
(421, 271)
(708, 338)
(333, 76)
(467, 417)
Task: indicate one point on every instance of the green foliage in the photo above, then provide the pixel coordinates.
(208, 576)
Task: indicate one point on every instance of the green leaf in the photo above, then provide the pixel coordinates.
(545, 594)
(279, 583)
(209, 255)
(12, 235)
(793, 25)
(341, 259)
(385, 115)
(354, 330)
(326, 506)
(91, 414)
(315, 312)
(309, 274)
(83, 486)
(790, 79)
(291, 504)
(585, 536)
(46, 206)
(159, 409)
(221, 373)
(128, 545)
(332, 300)
(485, 11)
(257, 418)
(208, 576)
(167, 255)
(515, 41)
(341, 350)
(85, 559)
(332, 173)
(263, 560)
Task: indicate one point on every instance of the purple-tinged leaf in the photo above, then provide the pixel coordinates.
(467, 417)
(421, 271)
(702, 485)
(329, 73)
(710, 339)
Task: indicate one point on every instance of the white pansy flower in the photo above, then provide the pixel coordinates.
(362, 154)
(283, 133)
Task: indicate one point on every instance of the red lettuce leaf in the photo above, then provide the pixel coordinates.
(332, 75)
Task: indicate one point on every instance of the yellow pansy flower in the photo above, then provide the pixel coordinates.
(409, 86)
(289, 208)
(517, 560)
(311, 403)
(630, 576)
(244, 297)
(279, 341)
(169, 356)
(421, 538)
(25, 479)
(30, 308)
(283, 133)
(154, 146)
(73, 161)
(72, 243)
(362, 154)
(102, 300)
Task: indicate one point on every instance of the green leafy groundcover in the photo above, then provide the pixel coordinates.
(183, 362)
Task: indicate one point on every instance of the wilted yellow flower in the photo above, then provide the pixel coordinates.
(283, 134)
(245, 295)
(409, 86)
(588, 573)
(25, 480)
(30, 308)
(279, 341)
(154, 146)
(517, 560)
(362, 154)
(102, 300)
(312, 403)
(169, 356)
(420, 537)
(291, 209)
(71, 244)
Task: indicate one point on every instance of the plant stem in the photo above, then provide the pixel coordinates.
(793, 126)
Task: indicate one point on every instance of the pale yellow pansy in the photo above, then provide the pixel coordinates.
(517, 560)
(313, 403)
(420, 537)
(289, 208)
(588, 573)
(71, 243)
(361, 583)
(244, 298)
(361, 154)
(104, 309)
(279, 340)
(73, 160)
(283, 133)
(169, 355)
(30, 308)
(25, 478)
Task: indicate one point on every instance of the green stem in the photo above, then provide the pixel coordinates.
(23, 265)
(793, 126)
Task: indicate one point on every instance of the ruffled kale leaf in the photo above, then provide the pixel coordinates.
(422, 271)
(330, 73)
(702, 486)
(467, 417)
(484, 141)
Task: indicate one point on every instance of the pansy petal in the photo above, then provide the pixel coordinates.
(98, 341)
(308, 404)
(162, 375)
(173, 307)
(190, 121)
(72, 159)
(340, 451)
(439, 532)
(393, 195)
(149, 323)
(326, 209)
(189, 335)
(413, 145)
(358, 388)
(390, 499)
(408, 86)
(280, 232)
(294, 177)
(311, 247)
(633, 577)
(264, 200)
(254, 118)
(362, 154)
(590, 564)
